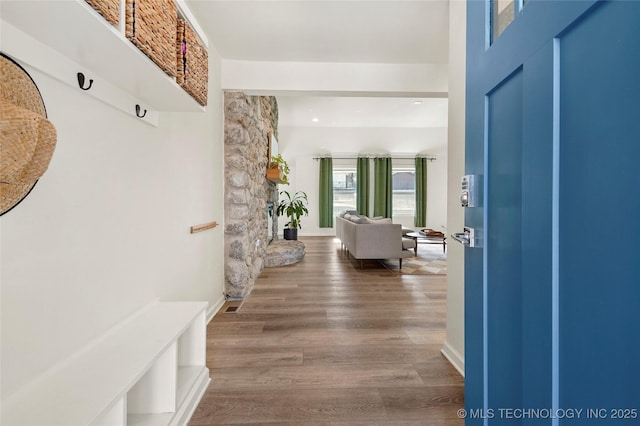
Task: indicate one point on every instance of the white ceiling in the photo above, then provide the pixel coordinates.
(395, 32)
(398, 31)
(361, 112)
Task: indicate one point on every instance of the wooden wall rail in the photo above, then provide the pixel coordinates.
(203, 227)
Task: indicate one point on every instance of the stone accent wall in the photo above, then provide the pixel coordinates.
(248, 122)
(270, 113)
(270, 119)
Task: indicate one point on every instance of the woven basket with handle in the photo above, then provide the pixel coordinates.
(109, 9)
(151, 26)
(192, 63)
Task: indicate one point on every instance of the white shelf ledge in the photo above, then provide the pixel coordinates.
(79, 33)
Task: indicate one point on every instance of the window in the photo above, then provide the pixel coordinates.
(344, 189)
(503, 13)
(404, 191)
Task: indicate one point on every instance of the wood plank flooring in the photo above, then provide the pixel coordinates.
(325, 343)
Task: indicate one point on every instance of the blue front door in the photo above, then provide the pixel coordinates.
(552, 298)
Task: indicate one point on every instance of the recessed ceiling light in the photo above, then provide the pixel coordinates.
(315, 119)
(417, 102)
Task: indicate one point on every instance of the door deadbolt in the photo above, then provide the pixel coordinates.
(470, 187)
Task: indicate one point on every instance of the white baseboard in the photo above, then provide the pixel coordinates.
(192, 399)
(454, 357)
(213, 309)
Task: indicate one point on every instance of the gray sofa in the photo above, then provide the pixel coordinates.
(367, 238)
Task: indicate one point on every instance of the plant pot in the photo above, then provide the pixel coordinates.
(275, 174)
(290, 234)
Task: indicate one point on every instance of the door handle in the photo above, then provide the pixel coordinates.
(461, 237)
(469, 238)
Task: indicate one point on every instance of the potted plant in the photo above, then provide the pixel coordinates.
(278, 170)
(294, 207)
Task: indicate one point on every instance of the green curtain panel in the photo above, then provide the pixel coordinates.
(362, 186)
(326, 193)
(382, 187)
(420, 219)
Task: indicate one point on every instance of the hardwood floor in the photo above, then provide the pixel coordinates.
(325, 343)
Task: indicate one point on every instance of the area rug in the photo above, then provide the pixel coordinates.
(430, 261)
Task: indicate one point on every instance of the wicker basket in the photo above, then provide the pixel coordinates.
(151, 26)
(192, 63)
(109, 9)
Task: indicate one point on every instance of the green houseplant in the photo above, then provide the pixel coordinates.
(280, 164)
(294, 207)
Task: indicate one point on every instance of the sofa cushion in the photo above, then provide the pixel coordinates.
(406, 230)
(356, 219)
(343, 213)
(375, 221)
(408, 243)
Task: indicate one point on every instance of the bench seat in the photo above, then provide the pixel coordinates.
(149, 369)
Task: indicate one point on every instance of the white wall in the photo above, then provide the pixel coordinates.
(298, 145)
(271, 78)
(454, 343)
(106, 229)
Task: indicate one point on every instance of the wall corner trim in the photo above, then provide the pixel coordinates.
(454, 357)
(214, 308)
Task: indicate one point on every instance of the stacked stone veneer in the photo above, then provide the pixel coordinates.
(248, 122)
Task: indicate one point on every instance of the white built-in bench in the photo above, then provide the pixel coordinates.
(148, 370)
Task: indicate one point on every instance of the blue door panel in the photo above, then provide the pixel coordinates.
(473, 259)
(600, 210)
(474, 394)
(537, 172)
(552, 300)
(473, 337)
(504, 288)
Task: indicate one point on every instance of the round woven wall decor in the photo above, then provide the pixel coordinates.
(27, 138)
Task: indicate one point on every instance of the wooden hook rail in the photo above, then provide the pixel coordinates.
(203, 227)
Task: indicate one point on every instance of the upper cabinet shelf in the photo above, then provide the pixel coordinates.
(75, 30)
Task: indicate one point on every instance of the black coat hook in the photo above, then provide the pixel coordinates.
(138, 111)
(81, 82)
